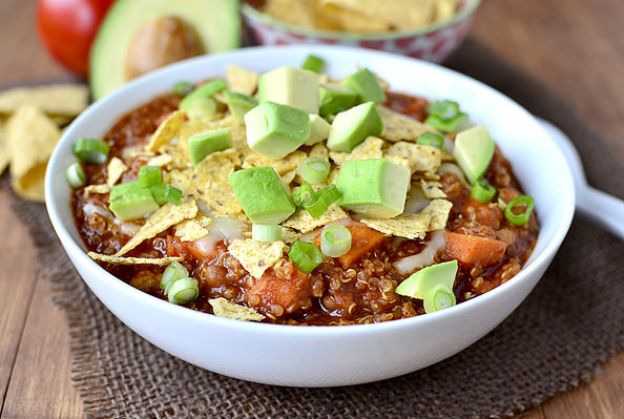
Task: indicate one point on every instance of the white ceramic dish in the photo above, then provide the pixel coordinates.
(326, 356)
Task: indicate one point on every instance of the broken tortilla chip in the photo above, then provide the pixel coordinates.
(398, 127)
(166, 132)
(303, 222)
(30, 137)
(432, 189)
(369, 149)
(115, 170)
(160, 160)
(96, 189)
(421, 158)
(168, 215)
(439, 209)
(224, 308)
(240, 80)
(255, 256)
(195, 229)
(60, 100)
(121, 260)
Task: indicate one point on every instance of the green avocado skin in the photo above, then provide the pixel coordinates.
(262, 195)
(216, 22)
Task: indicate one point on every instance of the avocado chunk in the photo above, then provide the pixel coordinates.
(199, 103)
(373, 188)
(290, 86)
(473, 152)
(202, 144)
(334, 99)
(239, 104)
(130, 201)
(433, 285)
(140, 35)
(262, 195)
(319, 129)
(276, 130)
(351, 127)
(366, 85)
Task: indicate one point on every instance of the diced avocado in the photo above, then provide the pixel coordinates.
(262, 195)
(130, 201)
(314, 64)
(166, 193)
(239, 104)
(473, 152)
(202, 144)
(366, 85)
(319, 129)
(433, 285)
(199, 108)
(373, 188)
(276, 130)
(290, 86)
(351, 127)
(334, 99)
(150, 175)
(139, 34)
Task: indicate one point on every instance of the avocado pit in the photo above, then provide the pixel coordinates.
(159, 42)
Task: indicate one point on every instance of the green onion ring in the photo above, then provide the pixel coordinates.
(266, 232)
(439, 298)
(183, 291)
(314, 171)
(335, 241)
(91, 150)
(522, 218)
(483, 191)
(431, 139)
(183, 88)
(302, 194)
(444, 109)
(320, 201)
(75, 175)
(314, 64)
(173, 272)
(306, 256)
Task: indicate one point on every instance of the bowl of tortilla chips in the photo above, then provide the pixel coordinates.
(425, 29)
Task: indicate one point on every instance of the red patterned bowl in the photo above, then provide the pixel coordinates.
(432, 43)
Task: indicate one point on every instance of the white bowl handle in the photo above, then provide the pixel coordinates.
(604, 209)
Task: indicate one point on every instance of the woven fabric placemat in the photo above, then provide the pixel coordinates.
(552, 343)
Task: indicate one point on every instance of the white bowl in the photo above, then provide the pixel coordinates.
(326, 356)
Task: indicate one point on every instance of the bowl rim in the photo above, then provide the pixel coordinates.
(466, 12)
(78, 255)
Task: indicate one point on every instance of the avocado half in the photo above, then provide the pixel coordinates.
(139, 35)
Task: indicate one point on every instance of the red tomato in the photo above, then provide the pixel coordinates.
(67, 28)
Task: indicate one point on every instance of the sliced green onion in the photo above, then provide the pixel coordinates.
(444, 109)
(302, 194)
(439, 298)
(306, 256)
(75, 175)
(452, 125)
(314, 64)
(266, 232)
(431, 139)
(150, 176)
(335, 241)
(519, 219)
(91, 150)
(320, 201)
(166, 194)
(183, 88)
(314, 171)
(483, 191)
(173, 272)
(183, 291)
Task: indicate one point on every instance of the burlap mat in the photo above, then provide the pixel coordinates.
(566, 328)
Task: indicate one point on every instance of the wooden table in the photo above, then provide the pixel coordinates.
(575, 46)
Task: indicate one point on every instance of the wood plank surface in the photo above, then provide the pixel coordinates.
(575, 46)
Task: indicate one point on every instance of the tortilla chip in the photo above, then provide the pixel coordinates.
(30, 137)
(331, 17)
(58, 100)
(414, 226)
(398, 14)
(195, 229)
(160, 160)
(439, 209)
(241, 80)
(255, 256)
(208, 181)
(398, 127)
(432, 189)
(445, 9)
(289, 236)
(115, 170)
(168, 215)
(422, 158)
(4, 151)
(120, 260)
(167, 131)
(295, 12)
(369, 149)
(303, 222)
(96, 189)
(285, 167)
(224, 308)
(319, 151)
